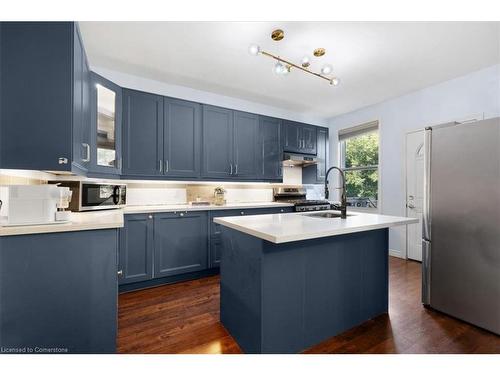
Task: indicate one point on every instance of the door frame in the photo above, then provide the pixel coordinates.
(405, 153)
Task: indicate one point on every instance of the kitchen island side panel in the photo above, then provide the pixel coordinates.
(240, 288)
(310, 290)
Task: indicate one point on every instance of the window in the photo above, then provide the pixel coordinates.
(359, 149)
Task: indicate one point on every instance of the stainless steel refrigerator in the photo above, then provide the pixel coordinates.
(461, 222)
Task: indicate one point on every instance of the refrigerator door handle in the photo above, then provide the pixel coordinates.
(426, 272)
(426, 219)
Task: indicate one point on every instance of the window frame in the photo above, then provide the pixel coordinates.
(341, 158)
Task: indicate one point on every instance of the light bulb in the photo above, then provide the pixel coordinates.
(305, 61)
(335, 81)
(253, 49)
(279, 68)
(326, 69)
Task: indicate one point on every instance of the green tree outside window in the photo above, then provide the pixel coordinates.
(361, 166)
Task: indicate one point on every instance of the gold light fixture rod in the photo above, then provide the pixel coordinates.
(291, 64)
(277, 35)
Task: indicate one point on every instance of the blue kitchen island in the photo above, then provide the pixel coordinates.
(290, 281)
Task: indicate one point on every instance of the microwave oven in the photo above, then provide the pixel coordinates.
(88, 196)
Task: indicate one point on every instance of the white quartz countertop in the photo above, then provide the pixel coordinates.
(280, 228)
(189, 207)
(107, 219)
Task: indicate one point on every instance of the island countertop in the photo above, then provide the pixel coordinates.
(281, 228)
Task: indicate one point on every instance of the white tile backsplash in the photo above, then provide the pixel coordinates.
(292, 175)
(146, 196)
(249, 195)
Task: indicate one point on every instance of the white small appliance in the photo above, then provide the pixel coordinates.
(31, 204)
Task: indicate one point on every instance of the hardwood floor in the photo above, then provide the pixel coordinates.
(184, 318)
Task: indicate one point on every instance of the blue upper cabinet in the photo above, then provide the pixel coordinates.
(142, 134)
(291, 136)
(315, 174)
(299, 138)
(106, 130)
(270, 148)
(230, 144)
(308, 139)
(245, 145)
(217, 142)
(182, 138)
(44, 97)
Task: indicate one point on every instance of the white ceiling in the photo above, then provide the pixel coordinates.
(375, 61)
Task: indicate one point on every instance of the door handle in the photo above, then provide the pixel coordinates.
(87, 154)
(166, 166)
(160, 165)
(409, 205)
(231, 165)
(236, 169)
(120, 273)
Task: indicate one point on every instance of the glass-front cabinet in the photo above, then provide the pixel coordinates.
(106, 126)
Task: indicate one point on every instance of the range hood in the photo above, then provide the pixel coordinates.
(297, 160)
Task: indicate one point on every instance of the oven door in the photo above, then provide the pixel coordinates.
(102, 196)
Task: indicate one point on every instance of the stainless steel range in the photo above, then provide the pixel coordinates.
(297, 196)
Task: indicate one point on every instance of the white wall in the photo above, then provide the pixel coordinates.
(473, 94)
(205, 97)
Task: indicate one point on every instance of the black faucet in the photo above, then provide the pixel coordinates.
(343, 202)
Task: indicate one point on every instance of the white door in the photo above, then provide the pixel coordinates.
(414, 192)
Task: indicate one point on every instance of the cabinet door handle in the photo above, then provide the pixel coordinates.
(120, 273)
(160, 165)
(181, 214)
(150, 216)
(166, 166)
(231, 165)
(87, 153)
(62, 160)
(236, 169)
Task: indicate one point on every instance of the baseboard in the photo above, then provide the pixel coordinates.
(396, 254)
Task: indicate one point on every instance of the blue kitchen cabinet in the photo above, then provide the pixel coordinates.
(245, 145)
(44, 97)
(59, 291)
(271, 153)
(136, 248)
(308, 136)
(142, 134)
(182, 138)
(230, 144)
(106, 119)
(217, 142)
(299, 138)
(291, 136)
(215, 229)
(315, 174)
(180, 243)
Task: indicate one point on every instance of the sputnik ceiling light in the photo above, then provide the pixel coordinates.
(284, 66)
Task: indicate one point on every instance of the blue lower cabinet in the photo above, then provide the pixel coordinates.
(59, 292)
(168, 247)
(180, 243)
(136, 248)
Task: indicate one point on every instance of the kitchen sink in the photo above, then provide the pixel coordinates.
(325, 215)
